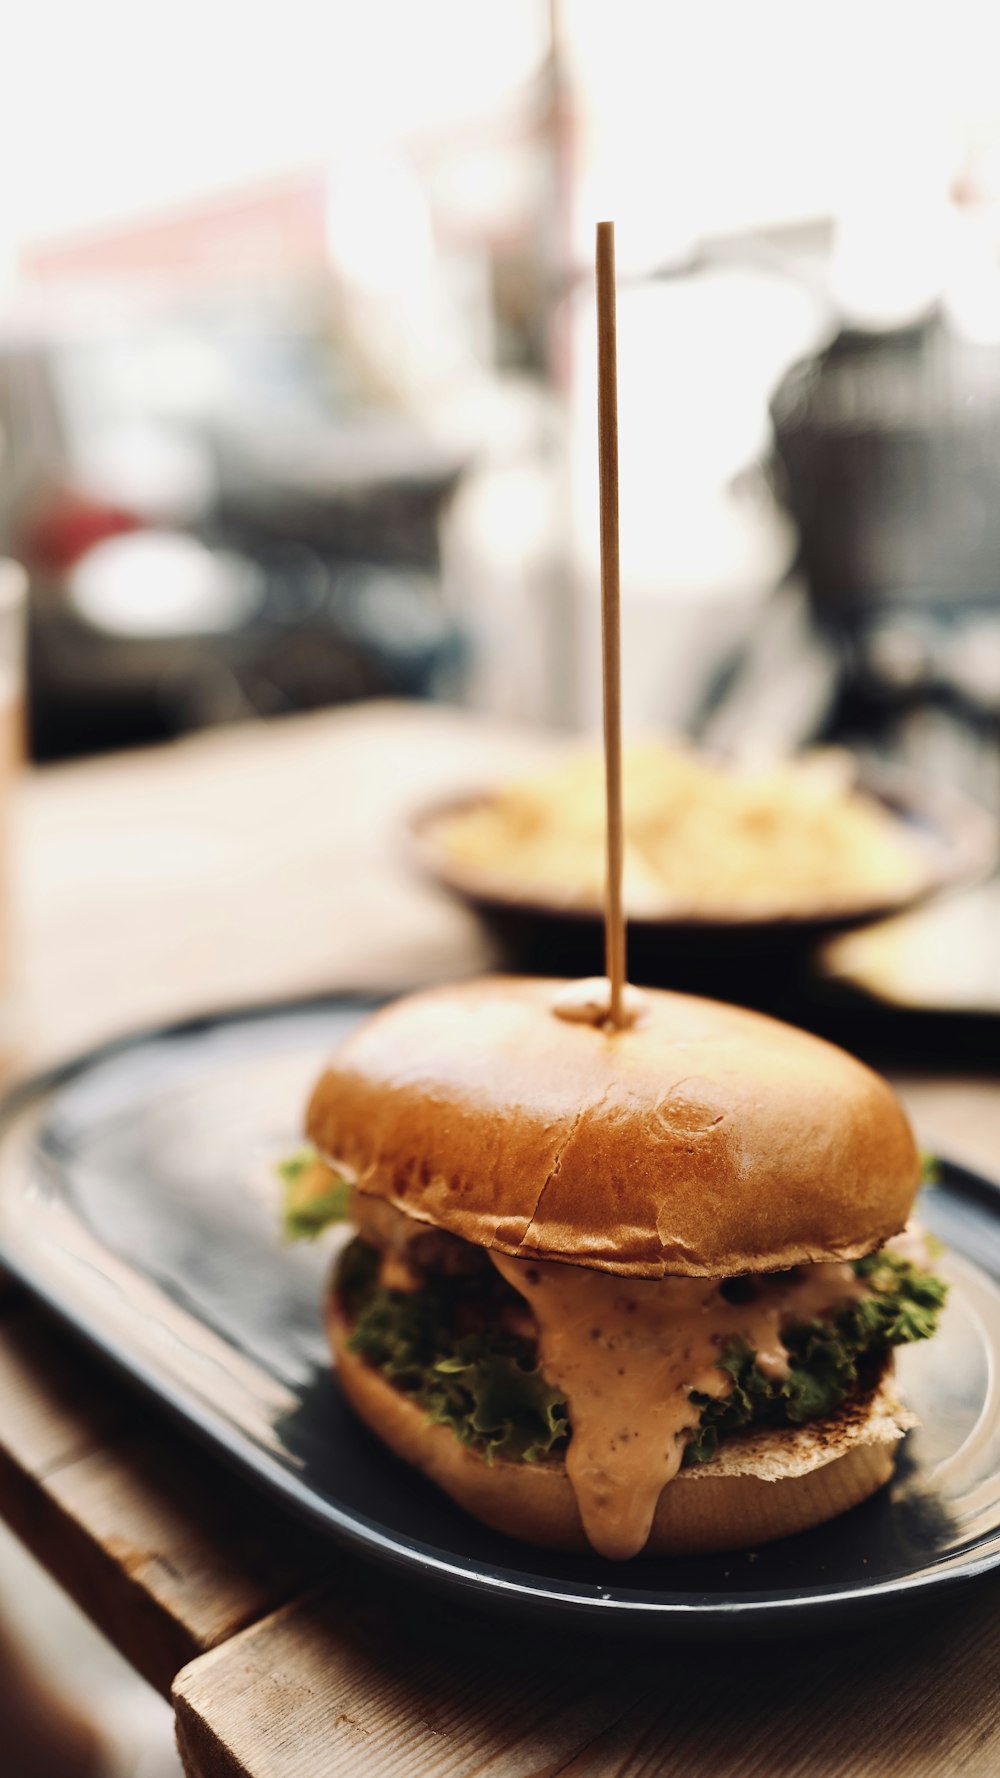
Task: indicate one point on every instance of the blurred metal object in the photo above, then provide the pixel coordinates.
(161, 584)
(886, 447)
(217, 520)
(159, 633)
(779, 690)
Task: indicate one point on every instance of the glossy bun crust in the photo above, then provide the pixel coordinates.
(781, 1481)
(705, 1140)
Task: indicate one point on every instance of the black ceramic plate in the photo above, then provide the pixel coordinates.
(954, 837)
(137, 1197)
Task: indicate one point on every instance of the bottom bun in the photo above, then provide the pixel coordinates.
(760, 1486)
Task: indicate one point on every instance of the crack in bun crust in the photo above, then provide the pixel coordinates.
(704, 1141)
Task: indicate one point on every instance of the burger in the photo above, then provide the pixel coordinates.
(633, 1289)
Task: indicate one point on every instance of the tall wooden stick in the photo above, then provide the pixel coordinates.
(607, 427)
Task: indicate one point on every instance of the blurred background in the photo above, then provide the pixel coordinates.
(297, 378)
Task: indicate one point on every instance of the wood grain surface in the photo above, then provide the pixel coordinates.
(401, 1685)
(164, 1550)
(249, 864)
(330, 1689)
(243, 865)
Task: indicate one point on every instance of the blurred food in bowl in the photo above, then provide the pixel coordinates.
(944, 958)
(703, 841)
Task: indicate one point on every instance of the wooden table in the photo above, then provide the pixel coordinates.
(255, 863)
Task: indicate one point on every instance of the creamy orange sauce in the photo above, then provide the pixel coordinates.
(627, 1353)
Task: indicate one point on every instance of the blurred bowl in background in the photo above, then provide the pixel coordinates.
(732, 950)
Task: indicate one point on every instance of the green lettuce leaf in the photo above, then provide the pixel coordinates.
(826, 1358)
(314, 1196)
(446, 1346)
(930, 1167)
(484, 1383)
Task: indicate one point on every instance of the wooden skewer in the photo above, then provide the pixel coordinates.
(607, 427)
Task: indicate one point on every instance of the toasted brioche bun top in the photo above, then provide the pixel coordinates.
(704, 1140)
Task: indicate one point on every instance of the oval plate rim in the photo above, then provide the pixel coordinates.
(667, 1614)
